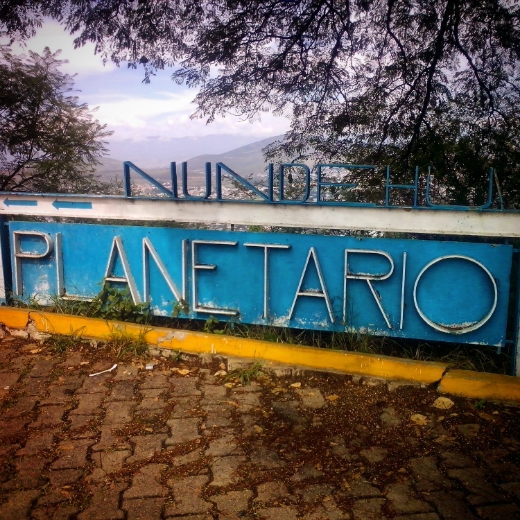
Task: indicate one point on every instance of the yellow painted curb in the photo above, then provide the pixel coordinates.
(195, 342)
(481, 385)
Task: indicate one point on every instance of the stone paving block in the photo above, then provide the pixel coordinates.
(213, 393)
(474, 481)
(311, 398)
(118, 413)
(147, 483)
(419, 516)
(19, 363)
(185, 386)
(468, 430)
(58, 395)
(224, 446)
(289, 411)
(451, 506)
(77, 422)
(233, 504)
(315, 492)
(362, 489)
(512, 487)
(72, 360)
(186, 495)
(182, 430)
(143, 508)
(110, 441)
(374, 454)
(368, 509)
(224, 470)
(496, 511)
(246, 401)
(306, 472)
(154, 381)
(94, 385)
(88, 404)
(51, 498)
(265, 458)
(278, 513)
(152, 392)
(34, 386)
(146, 446)
(126, 373)
(271, 491)
(498, 460)
(186, 407)
(63, 477)
(104, 504)
(42, 368)
(11, 430)
(327, 511)
(187, 458)
(218, 421)
(113, 461)
(454, 460)
(73, 454)
(148, 405)
(193, 517)
(253, 386)
(50, 416)
(427, 474)
(18, 505)
(403, 500)
(58, 512)
(122, 392)
(23, 406)
(8, 379)
(28, 473)
(36, 443)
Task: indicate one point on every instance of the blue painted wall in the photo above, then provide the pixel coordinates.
(453, 293)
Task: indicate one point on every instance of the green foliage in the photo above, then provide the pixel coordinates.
(210, 326)
(48, 141)
(113, 303)
(245, 375)
(60, 343)
(426, 82)
(123, 343)
(479, 405)
(180, 307)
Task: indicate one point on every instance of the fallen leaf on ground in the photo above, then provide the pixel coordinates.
(220, 373)
(296, 385)
(258, 429)
(35, 350)
(181, 371)
(443, 403)
(332, 397)
(420, 420)
(85, 363)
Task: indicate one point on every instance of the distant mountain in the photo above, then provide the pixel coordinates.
(244, 160)
(159, 153)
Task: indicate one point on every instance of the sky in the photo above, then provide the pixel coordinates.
(139, 112)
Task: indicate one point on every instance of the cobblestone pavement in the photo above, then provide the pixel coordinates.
(180, 442)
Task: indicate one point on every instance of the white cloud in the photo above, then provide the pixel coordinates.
(133, 110)
(168, 116)
(82, 60)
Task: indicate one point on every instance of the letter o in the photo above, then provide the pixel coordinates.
(450, 330)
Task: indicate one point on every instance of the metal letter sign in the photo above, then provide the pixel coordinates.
(425, 289)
